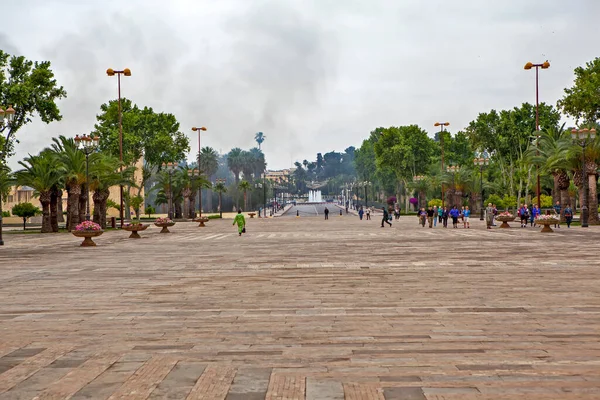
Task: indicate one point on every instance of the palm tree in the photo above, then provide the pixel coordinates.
(209, 164)
(248, 163)
(220, 188)
(104, 174)
(245, 186)
(259, 137)
(42, 174)
(72, 160)
(235, 163)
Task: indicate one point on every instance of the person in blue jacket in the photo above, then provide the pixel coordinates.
(466, 215)
(454, 214)
(361, 213)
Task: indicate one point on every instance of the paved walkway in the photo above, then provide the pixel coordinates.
(302, 308)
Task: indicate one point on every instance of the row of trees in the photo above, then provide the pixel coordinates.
(405, 160)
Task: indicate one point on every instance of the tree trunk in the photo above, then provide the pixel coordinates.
(177, 207)
(556, 195)
(59, 207)
(97, 198)
(192, 211)
(209, 197)
(104, 195)
(45, 200)
(592, 200)
(73, 206)
(54, 210)
(564, 200)
(82, 204)
(245, 200)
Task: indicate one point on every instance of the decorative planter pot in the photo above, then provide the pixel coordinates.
(165, 226)
(134, 229)
(546, 223)
(87, 235)
(505, 219)
(202, 221)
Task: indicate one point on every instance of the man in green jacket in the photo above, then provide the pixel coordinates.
(240, 221)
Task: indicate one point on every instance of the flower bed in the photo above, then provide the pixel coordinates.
(162, 221)
(88, 226)
(87, 230)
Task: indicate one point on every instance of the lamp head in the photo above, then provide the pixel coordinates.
(77, 140)
(592, 133)
(546, 65)
(446, 123)
(529, 65)
(127, 72)
(437, 124)
(110, 72)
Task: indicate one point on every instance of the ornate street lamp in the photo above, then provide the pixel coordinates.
(200, 167)
(528, 66)
(6, 118)
(126, 72)
(583, 137)
(442, 125)
(481, 161)
(170, 167)
(87, 145)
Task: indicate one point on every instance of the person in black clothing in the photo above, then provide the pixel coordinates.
(326, 212)
(386, 217)
(430, 216)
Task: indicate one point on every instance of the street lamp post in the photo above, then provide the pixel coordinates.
(481, 162)
(442, 125)
(582, 137)
(170, 169)
(528, 66)
(125, 72)
(200, 168)
(87, 145)
(6, 118)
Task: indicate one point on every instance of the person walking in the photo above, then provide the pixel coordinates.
(440, 212)
(368, 214)
(557, 209)
(454, 213)
(241, 222)
(489, 216)
(326, 212)
(361, 213)
(430, 214)
(568, 215)
(445, 217)
(385, 218)
(466, 215)
(422, 214)
(435, 216)
(494, 213)
(535, 212)
(524, 213)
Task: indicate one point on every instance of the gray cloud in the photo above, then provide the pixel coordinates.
(312, 75)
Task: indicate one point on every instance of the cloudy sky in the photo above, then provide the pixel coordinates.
(313, 75)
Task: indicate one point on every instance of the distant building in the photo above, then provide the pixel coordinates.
(281, 176)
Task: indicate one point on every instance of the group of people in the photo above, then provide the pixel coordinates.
(528, 215)
(436, 214)
(364, 213)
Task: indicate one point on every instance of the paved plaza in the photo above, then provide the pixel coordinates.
(302, 308)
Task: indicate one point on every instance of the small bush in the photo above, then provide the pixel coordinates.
(435, 203)
(5, 213)
(149, 211)
(391, 200)
(214, 216)
(546, 201)
(495, 199)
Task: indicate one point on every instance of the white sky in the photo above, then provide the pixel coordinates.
(313, 75)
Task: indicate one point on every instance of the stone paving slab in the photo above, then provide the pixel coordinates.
(301, 308)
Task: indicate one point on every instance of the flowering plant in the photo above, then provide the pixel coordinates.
(413, 200)
(88, 226)
(162, 221)
(546, 218)
(506, 214)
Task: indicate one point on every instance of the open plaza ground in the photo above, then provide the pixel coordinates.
(302, 308)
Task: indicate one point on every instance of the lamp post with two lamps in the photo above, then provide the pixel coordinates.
(6, 118)
(481, 161)
(87, 144)
(528, 66)
(583, 137)
(125, 72)
(170, 167)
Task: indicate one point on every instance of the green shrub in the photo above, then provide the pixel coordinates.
(509, 201)
(434, 203)
(149, 210)
(546, 201)
(495, 199)
(5, 213)
(217, 216)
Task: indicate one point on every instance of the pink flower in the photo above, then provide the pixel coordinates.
(88, 226)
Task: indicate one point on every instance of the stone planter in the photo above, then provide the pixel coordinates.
(505, 219)
(165, 227)
(202, 221)
(134, 229)
(546, 223)
(87, 235)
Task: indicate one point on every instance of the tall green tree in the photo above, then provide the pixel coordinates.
(582, 100)
(153, 135)
(32, 90)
